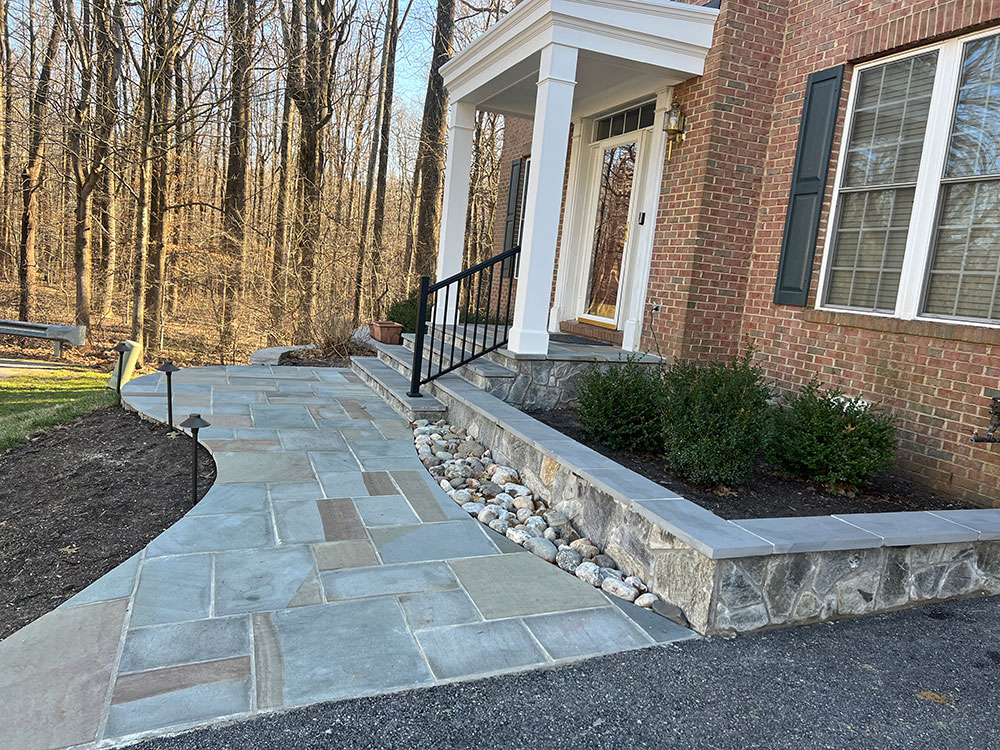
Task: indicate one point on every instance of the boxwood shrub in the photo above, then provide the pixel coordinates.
(621, 405)
(826, 437)
(715, 419)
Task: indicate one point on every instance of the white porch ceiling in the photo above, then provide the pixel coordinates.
(627, 48)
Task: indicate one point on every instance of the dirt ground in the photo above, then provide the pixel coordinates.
(765, 495)
(81, 498)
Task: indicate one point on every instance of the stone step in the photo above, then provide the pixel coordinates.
(393, 387)
(492, 364)
(482, 367)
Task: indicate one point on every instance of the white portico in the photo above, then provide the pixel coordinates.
(563, 62)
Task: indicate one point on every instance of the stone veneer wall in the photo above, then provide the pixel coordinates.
(757, 592)
(539, 383)
(744, 594)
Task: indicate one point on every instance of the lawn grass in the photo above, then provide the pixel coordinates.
(31, 403)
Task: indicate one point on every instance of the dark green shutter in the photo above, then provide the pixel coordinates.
(510, 224)
(812, 161)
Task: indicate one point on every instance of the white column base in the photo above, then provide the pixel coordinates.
(523, 341)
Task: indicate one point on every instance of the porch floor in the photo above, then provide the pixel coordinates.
(562, 347)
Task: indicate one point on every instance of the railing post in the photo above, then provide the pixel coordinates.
(418, 340)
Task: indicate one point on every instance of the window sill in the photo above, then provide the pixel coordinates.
(930, 329)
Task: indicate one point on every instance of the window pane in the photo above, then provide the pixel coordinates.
(890, 117)
(965, 266)
(647, 115)
(975, 136)
(868, 249)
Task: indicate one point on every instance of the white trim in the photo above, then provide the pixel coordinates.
(643, 252)
(597, 150)
(675, 36)
(923, 220)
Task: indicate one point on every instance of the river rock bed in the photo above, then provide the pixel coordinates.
(492, 492)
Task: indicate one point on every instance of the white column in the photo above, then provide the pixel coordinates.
(457, 169)
(549, 139)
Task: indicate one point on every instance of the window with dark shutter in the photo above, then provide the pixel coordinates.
(510, 221)
(812, 159)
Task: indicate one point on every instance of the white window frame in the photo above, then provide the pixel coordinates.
(920, 238)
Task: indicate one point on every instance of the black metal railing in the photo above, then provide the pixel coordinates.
(479, 299)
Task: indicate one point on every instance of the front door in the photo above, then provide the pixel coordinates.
(616, 171)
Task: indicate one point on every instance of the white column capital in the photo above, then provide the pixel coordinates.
(462, 114)
(557, 63)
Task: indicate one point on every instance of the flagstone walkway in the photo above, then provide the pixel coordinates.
(323, 564)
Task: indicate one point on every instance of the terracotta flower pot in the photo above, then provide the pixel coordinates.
(386, 331)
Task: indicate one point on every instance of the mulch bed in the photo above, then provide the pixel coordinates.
(765, 495)
(81, 498)
(339, 358)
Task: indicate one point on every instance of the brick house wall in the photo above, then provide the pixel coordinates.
(720, 223)
(935, 377)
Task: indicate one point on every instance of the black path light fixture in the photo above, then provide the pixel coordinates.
(121, 348)
(169, 368)
(675, 126)
(194, 423)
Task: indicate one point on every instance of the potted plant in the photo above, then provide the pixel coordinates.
(386, 331)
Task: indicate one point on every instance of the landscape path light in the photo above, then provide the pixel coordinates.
(194, 423)
(169, 368)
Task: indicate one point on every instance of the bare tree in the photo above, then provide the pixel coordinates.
(312, 93)
(429, 170)
(31, 176)
(240, 19)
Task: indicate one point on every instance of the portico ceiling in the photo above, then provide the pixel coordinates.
(626, 48)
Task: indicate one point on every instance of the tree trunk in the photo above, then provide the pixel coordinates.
(31, 177)
(235, 195)
(163, 89)
(379, 287)
(108, 221)
(431, 147)
(366, 201)
(279, 258)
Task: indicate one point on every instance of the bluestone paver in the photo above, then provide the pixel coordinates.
(347, 648)
(172, 589)
(480, 647)
(431, 541)
(306, 573)
(436, 609)
(522, 584)
(254, 580)
(185, 642)
(586, 632)
(385, 510)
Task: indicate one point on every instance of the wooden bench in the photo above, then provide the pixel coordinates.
(58, 335)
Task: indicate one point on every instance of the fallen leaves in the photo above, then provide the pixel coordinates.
(943, 698)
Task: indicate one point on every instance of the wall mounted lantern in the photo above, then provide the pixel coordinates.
(675, 125)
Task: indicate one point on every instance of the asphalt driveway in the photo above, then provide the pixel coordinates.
(921, 678)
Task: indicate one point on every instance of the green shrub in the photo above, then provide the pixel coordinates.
(404, 312)
(620, 405)
(824, 436)
(715, 420)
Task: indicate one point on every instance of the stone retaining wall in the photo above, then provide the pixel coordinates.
(728, 594)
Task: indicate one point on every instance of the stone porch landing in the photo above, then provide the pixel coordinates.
(323, 564)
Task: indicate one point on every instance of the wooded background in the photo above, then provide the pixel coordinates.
(212, 176)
